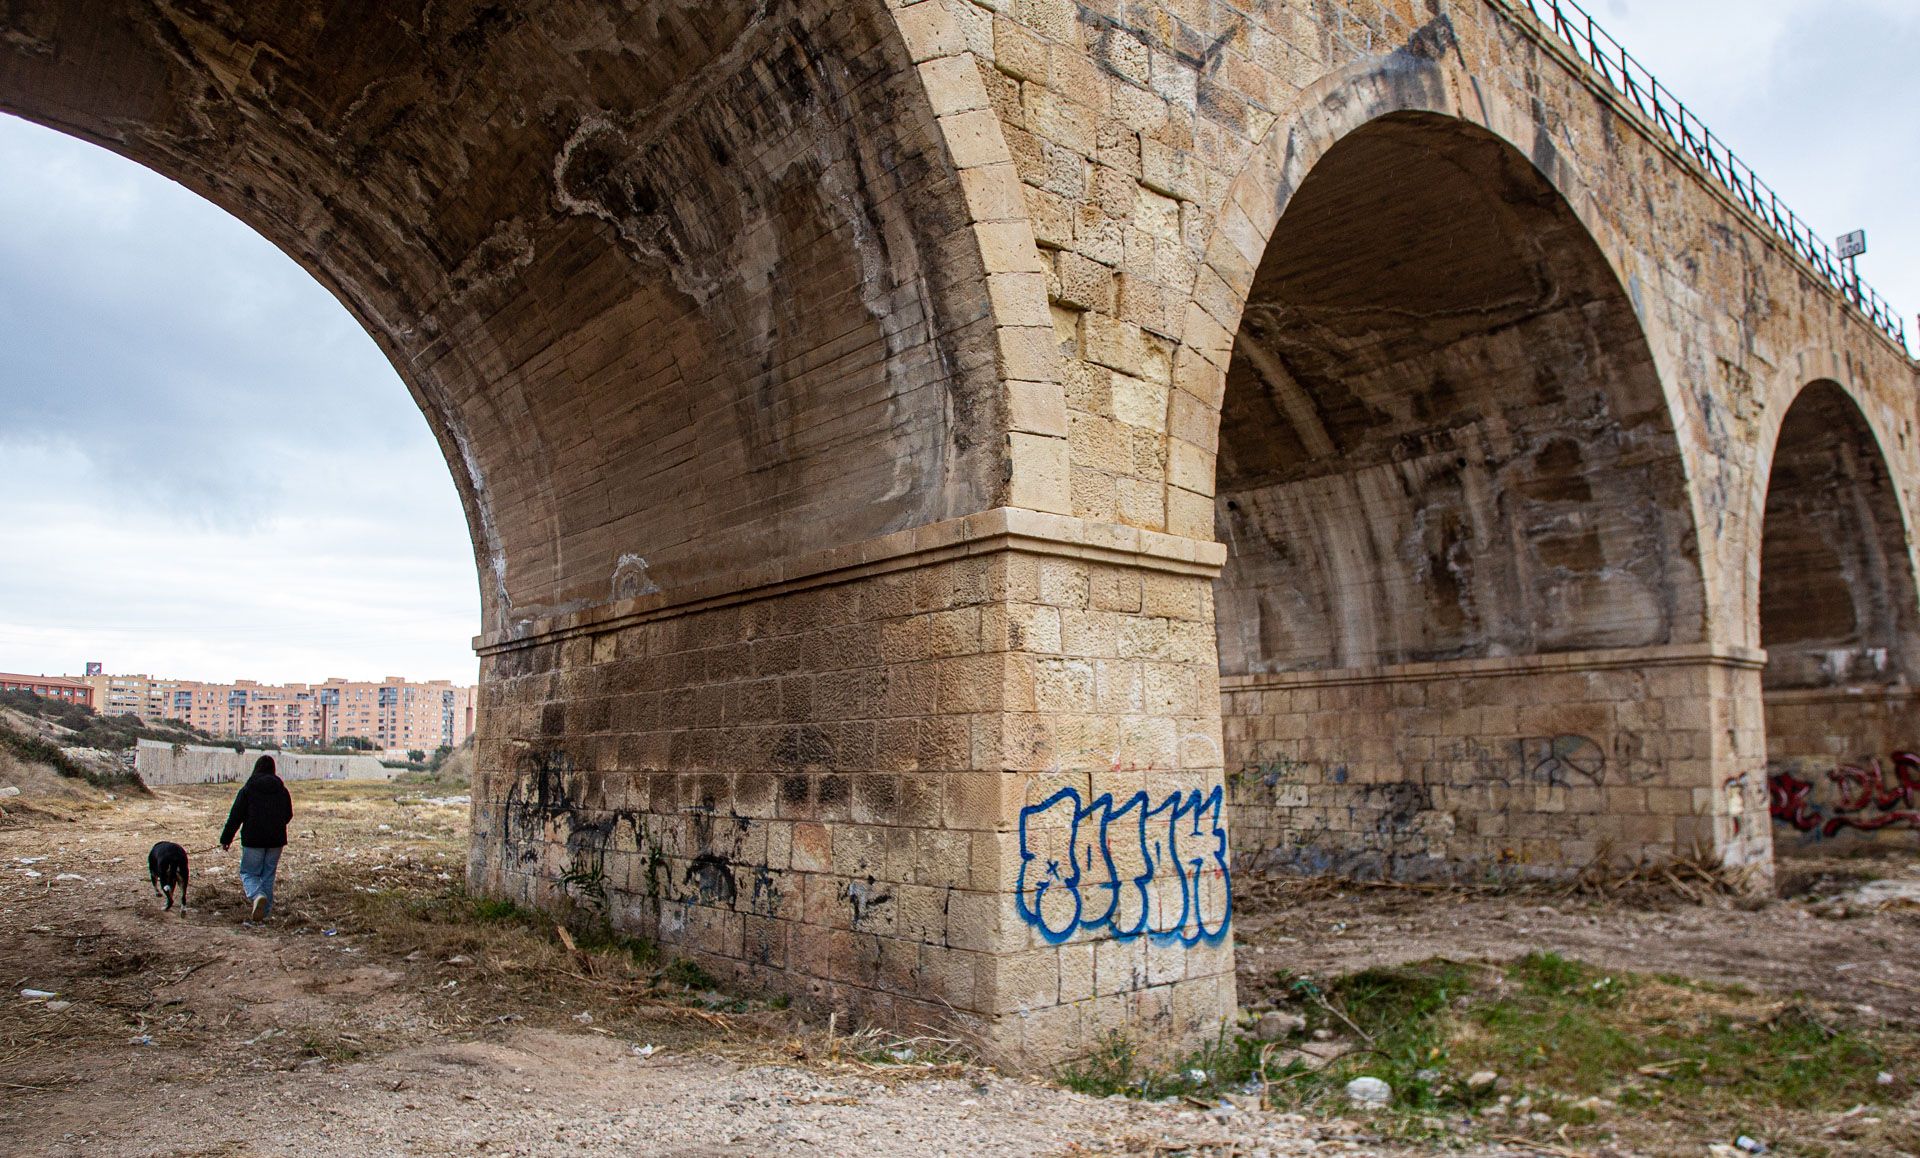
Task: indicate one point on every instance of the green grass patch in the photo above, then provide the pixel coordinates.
(1599, 1054)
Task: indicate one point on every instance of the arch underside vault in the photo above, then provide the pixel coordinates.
(662, 281)
(1458, 529)
(1838, 622)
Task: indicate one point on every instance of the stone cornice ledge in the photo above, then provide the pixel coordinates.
(1665, 655)
(989, 532)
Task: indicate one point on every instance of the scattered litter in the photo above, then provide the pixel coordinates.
(31, 872)
(1369, 1093)
(31, 859)
(645, 1050)
(58, 1006)
(583, 1017)
(447, 800)
(69, 877)
(1884, 1078)
(140, 1039)
(262, 1036)
(1197, 1076)
(329, 932)
(1750, 1145)
(10, 790)
(459, 959)
(37, 994)
(40, 929)
(386, 828)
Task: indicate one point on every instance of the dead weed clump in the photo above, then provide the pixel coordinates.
(488, 961)
(1696, 878)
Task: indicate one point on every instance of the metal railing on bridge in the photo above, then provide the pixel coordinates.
(1575, 28)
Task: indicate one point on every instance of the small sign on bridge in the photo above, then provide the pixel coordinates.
(1853, 244)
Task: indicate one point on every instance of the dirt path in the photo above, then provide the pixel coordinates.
(191, 1035)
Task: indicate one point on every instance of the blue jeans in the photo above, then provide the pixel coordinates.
(257, 866)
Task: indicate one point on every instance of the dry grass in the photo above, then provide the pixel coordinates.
(481, 962)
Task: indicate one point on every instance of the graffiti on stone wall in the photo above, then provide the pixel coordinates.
(1563, 761)
(1866, 797)
(1134, 869)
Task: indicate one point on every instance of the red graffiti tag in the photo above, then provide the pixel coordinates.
(1866, 798)
(1787, 798)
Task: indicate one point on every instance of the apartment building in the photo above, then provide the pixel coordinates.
(393, 713)
(49, 687)
(130, 695)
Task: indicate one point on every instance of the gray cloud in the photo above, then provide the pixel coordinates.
(1817, 96)
(237, 482)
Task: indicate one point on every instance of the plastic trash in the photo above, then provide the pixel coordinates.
(1369, 1093)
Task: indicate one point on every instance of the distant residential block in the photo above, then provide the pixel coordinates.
(393, 713)
(49, 687)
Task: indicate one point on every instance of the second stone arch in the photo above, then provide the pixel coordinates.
(1461, 622)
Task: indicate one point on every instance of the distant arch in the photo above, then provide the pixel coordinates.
(1837, 601)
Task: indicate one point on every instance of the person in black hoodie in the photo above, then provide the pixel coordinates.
(261, 810)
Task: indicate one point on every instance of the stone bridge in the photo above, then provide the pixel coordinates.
(932, 467)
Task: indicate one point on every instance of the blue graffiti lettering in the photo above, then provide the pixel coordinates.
(1136, 869)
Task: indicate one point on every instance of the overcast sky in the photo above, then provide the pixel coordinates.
(211, 472)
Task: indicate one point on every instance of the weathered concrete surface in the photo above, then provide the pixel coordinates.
(854, 403)
(159, 762)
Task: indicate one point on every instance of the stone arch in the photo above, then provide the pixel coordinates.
(1883, 424)
(1443, 394)
(1836, 600)
(1837, 612)
(675, 290)
(1423, 77)
(1460, 533)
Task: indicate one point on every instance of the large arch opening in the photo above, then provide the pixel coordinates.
(1460, 553)
(689, 296)
(1841, 627)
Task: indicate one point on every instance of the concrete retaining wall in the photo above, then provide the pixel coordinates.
(162, 763)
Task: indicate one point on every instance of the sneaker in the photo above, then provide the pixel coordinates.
(259, 910)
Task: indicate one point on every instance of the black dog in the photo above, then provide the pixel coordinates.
(167, 869)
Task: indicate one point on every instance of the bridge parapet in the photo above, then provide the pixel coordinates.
(1594, 51)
